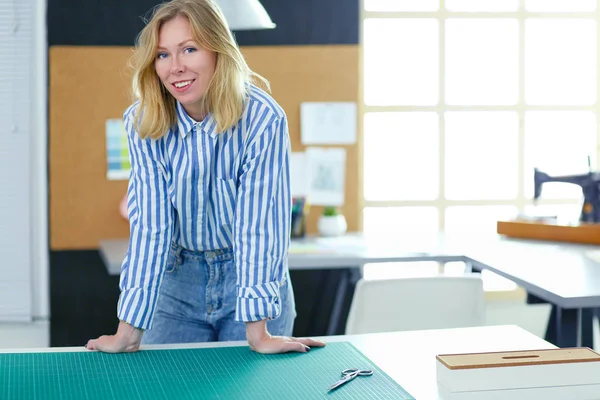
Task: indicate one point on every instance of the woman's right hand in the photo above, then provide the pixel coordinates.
(126, 340)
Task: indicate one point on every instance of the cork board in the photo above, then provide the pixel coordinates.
(89, 85)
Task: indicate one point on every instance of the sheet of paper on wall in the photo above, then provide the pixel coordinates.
(117, 153)
(298, 175)
(326, 170)
(328, 123)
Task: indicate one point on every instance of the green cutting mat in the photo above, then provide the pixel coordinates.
(209, 373)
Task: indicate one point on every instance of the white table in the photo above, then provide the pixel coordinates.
(409, 357)
(349, 252)
(559, 273)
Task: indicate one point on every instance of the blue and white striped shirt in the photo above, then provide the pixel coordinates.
(208, 191)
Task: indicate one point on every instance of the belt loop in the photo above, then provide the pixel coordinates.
(178, 258)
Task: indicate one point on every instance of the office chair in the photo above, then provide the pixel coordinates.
(416, 303)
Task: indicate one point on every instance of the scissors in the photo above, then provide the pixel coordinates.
(348, 375)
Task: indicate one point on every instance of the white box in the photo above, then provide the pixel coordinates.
(569, 373)
(578, 392)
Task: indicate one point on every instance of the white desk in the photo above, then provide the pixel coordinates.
(409, 357)
(559, 273)
(349, 252)
(352, 250)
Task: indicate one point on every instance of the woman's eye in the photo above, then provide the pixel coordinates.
(189, 50)
(161, 55)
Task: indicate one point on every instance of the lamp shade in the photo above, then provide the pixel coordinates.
(245, 14)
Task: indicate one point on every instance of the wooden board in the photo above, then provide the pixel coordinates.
(584, 233)
(518, 358)
(89, 85)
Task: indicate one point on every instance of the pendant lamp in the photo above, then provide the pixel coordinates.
(245, 14)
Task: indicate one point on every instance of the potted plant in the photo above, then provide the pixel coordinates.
(332, 222)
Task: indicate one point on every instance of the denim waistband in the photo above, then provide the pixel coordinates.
(208, 255)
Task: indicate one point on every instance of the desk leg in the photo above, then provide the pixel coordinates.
(559, 326)
(579, 326)
(570, 327)
(349, 277)
(468, 267)
(338, 303)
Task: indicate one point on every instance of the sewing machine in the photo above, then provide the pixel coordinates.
(586, 230)
(589, 183)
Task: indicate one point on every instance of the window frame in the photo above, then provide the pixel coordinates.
(521, 201)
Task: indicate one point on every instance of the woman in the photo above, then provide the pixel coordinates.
(208, 196)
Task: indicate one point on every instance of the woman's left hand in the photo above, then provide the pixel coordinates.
(262, 342)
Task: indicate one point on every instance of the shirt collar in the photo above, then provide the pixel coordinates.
(185, 123)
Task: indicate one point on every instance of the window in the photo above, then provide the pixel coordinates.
(462, 99)
(481, 155)
(399, 144)
(481, 61)
(389, 79)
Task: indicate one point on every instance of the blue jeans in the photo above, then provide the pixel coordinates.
(197, 300)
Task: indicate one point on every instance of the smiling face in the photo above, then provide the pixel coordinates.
(184, 68)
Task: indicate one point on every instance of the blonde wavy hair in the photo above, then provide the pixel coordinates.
(227, 91)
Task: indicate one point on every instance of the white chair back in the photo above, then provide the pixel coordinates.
(416, 303)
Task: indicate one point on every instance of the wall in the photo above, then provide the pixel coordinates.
(83, 296)
(117, 22)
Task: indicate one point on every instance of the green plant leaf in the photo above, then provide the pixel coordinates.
(330, 211)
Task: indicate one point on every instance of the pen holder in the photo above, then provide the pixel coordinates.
(300, 209)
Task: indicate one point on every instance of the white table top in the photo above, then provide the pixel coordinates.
(407, 357)
(561, 273)
(352, 250)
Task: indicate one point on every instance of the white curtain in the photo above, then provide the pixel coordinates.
(23, 216)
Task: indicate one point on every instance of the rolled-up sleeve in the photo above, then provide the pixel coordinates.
(262, 225)
(150, 218)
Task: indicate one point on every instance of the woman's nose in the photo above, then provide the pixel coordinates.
(177, 66)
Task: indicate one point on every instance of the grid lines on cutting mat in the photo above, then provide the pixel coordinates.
(204, 373)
